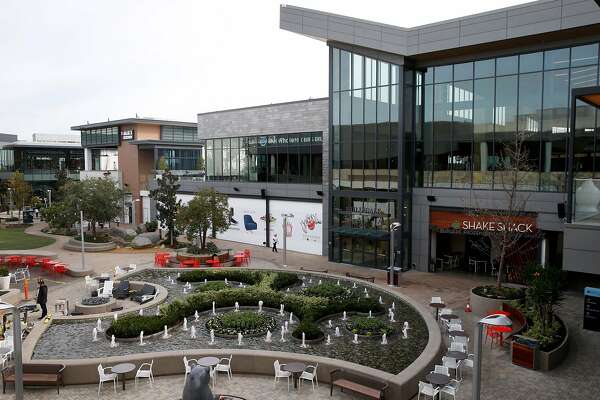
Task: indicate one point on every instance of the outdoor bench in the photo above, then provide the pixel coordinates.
(364, 278)
(373, 390)
(35, 375)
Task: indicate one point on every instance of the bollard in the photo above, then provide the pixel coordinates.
(26, 288)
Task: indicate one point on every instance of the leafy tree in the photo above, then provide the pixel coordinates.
(62, 178)
(167, 205)
(162, 164)
(60, 215)
(21, 190)
(544, 292)
(208, 210)
(98, 198)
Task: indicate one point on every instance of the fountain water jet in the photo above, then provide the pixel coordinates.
(338, 282)
(196, 316)
(328, 342)
(370, 314)
(320, 281)
(212, 337)
(260, 305)
(113, 342)
(141, 312)
(281, 309)
(115, 316)
(268, 338)
(193, 332)
(291, 317)
(94, 335)
(142, 339)
(354, 285)
(384, 339)
(380, 300)
(337, 331)
(166, 333)
(303, 340)
(344, 316)
(99, 325)
(226, 281)
(157, 311)
(329, 324)
(237, 307)
(185, 327)
(213, 309)
(285, 325)
(282, 333)
(240, 339)
(355, 340)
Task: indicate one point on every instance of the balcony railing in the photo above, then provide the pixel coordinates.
(586, 200)
(116, 176)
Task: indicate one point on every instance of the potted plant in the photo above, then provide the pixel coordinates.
(4, 278)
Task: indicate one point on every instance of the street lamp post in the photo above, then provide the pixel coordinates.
(16, 347)
(285, 217)
(82, 241)
(49, 197)
(494, 320)
(10, 207)
(393, 274)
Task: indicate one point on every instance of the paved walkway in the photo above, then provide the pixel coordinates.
(576, 378)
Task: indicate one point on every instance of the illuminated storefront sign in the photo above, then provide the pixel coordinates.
(458, 221)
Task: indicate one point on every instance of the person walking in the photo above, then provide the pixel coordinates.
(275, 241)
(42, 297)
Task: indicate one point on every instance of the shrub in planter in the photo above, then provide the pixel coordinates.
(212, 248)
(310, 329)
(101, 238)
(328, 290)
(501, 293)
(151, 226)
(3, 272)
(368, 326)
(212, 285)
(249, 277)
(282, 280)
(244, 322)
(193, 249)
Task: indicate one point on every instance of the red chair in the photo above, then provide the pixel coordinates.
(15, 261)
(59, 268)
(196, 263)
(30, 261)
(247, 254)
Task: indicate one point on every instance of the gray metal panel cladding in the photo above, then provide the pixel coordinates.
(528, 19)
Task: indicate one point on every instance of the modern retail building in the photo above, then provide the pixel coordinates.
(419, 120)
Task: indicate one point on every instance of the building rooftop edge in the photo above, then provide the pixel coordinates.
(264, 105)
(149, 121)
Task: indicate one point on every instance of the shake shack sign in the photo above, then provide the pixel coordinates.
(459, 221)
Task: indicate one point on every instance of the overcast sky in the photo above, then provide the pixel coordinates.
(67, 62)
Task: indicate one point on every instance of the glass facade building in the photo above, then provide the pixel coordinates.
(100, 137)
(177, 134)
(179, 159)
(472, 110)
(282, 158)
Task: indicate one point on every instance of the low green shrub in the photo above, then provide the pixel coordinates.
(328, 290)
(368, 326)
(151, 226)
(244, 322)
(212, 285)
(249, 277)
(282, 280)
(4, 271)
(193, 249)
(212, 248)
(310, 329)
(99, 238)
(494, 292)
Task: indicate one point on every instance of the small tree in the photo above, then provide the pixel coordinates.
(512, 168)
(544, 292)
(208, 210)
(21, 190)
(60, 215)
(167, 204)
(62, 178)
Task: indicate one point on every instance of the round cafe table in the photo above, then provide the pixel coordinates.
(437, 307)
(296, 369)
(457, 355)
(449, 316)
(122, 369)
(437, 379)
(458, 333)
(208, 362)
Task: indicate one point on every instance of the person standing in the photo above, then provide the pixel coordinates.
(275, 241)
(42, 297)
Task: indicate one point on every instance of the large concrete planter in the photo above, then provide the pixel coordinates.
(4, 282)
(95, 309)
(548, 360)
(481, 305)
(75, 245)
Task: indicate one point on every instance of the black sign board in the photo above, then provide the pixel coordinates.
(591, 309)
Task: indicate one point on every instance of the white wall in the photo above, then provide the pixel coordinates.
(304, 230)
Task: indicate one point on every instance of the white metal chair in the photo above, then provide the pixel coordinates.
(436, 300)
(107, 289)
(224, 365)
(132, 267)
(468, 362)
(455, 327)
(106, 377)
(461, 339)
(310, 374)
(118, 270)
(279, 373)
(451, 363)
(145, 371)
(188, 364)
(440, 369)
(456, 346)
(451, 389)
(427, 390)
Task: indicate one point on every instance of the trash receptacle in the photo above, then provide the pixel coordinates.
(28, 217)
(524, 351)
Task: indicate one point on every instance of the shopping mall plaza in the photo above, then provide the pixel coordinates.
(414, 130)
(412, 154)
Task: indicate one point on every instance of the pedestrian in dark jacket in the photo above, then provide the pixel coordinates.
(42, 297)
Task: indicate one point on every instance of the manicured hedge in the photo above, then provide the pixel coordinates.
(266, 286)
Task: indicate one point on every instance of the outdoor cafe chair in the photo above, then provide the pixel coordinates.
(145, 371)
(455, 346)
(280, 373)
(105, 376)
(188, 364)
(451, 389)
(440, 369)
(427, 390)
(224, 365)
(451, 363)
(310, 374)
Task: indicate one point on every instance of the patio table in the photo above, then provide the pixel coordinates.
(123, 369)
(458, 333)
(437, 307)
(449, 316)
(207, 362)
(457, 355)
(437, 379)
(296, 368)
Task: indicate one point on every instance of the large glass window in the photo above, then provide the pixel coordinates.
(293, 158)
(101, 136)
(178, 134)
(471, 112)
(105, 159)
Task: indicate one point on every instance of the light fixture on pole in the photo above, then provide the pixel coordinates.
(285, 217)
(6, 307)
(392, 277)
(49, 197)
(493, 320)
(82, 241)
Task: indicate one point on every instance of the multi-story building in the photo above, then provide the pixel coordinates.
(419, 119)
(40, 159)
(131, 151)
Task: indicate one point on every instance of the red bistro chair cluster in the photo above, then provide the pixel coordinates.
(161, 259)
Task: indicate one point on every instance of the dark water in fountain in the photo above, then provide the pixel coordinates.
(69, 340)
